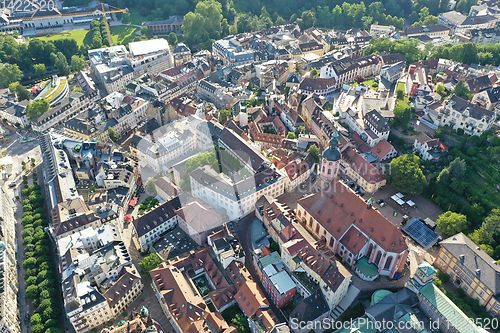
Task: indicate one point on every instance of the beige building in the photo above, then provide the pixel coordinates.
(471, 269)
(9, 279)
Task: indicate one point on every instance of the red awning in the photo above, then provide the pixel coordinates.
(128, 217)
(133, 201)
(139, 182)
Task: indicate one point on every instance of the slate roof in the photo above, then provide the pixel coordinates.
(474, 259)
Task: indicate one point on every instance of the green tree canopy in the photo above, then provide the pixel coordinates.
(150, 262)
(204, 24)
(21, 91)
(457, 168)
(314, 151)
(9, 73)
(112, 134)
(461, 90)
(172, 39)
(37, 108)
(224, 115)
(59, 60)
(405, 174)
(451, 223)
(77, 63)
(291, 135)
(40, 70)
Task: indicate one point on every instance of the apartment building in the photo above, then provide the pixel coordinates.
(180, 297)
(471, 269)
(14, 112)
(345, 70)
(232, 52)
(148, 228)
(9, 322)
(371, 126)
(428, 148)
(123, 113)
(124, 290)
(76, 102)
(460, 113)
(92, 261)
(115, 66)
(276, 280)
(316, 269)
(198, 219)
(362, 172)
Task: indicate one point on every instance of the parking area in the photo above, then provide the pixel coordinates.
(174, 243)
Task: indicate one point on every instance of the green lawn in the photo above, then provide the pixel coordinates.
(78, 35)
(401, 86)
(136, 18)
(402, 105)
(121, 34)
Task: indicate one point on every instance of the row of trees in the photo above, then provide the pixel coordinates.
(38, 264)
(466, 53)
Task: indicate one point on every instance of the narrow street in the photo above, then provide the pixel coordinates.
(244, 236)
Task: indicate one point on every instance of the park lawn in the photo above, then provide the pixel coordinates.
(78, 35)
(402, 104)
(137, 19)
(401, 86)
(371, 83)
(122, 34)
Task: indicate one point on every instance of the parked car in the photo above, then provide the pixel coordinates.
(351, 184)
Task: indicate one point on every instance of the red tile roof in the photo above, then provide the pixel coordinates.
(250, 298)
(381, 149)
(359, 164)
(353, 240)
(340, 208)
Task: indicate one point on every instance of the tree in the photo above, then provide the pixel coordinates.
(150, 262)
(400, 94)
(59, 60)
(9, 73)
(37, 108)
(279, 21)
(150, 186)
(40, 70)
(405, 174)
(457, 168)
(461, 90)
(441, 90)
(172, 38)
(359, 79)
(21, 91)
(290, 135)
(29, 262)
(224, 115)
(203, 24)
(451, 223)
(491, 223)
(112, 134)
(32, 291)
(78, 89)
(314, 151)
(444, 177)
(38, 328)
(126, 18)
(146, 31)
(314, 72)
(77, 63)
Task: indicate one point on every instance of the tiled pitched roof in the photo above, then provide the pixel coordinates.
(337, 210)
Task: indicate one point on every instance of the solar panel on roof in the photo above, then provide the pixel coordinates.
(421, 233)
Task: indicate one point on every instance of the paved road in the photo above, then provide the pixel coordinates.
(148, 297)
(244, 236)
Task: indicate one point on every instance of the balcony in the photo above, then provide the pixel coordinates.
(306, 280)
